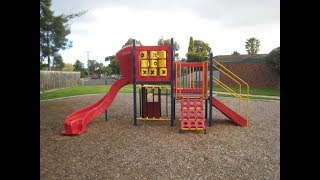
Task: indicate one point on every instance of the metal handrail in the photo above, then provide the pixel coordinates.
(234, 79)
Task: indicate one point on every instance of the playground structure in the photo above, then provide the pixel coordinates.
(154, 73)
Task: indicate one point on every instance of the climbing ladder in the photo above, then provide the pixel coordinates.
(192, 114)
(191, 88)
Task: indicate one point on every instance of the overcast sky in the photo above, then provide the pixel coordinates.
(224, 24)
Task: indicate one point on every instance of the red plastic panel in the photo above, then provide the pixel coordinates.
(191, 114)
(152, 109)
(199, 123)
(192, 103)
(76, 122)
(124, 59)
(235, 117)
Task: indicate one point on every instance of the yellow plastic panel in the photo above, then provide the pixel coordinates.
(162, 54)
(144, 63)
(163, 71)
(144, 72)
(153, 72)
(153, 54)
(143, 55)
(153, 63)
(162, 63)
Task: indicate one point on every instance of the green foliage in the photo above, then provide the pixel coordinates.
(98, 68)
(176, 46)
(235, 53)
(200, 47)
(91, 66)
(200, 51)
(53, 31)
(68, 67)
(95, 67)
(196, 57)
(273, 59)
(106, 70)
(83, 74)
(113, 64)
(191, 45)
(252, 45)
(79, 66)
(130, 42)
(43, 66)
(58, 63)
(183, 60)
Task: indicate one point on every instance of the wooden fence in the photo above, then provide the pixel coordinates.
(58, 79)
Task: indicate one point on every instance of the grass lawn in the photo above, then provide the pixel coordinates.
(252, 91)
(258, 98)
(80, 90)
(102, 89)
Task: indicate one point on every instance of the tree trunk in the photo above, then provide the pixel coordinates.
(49, 67)
(48, 45)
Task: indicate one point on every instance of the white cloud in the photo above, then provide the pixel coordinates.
(224, 25)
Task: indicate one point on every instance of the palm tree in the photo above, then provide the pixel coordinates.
(252, 45)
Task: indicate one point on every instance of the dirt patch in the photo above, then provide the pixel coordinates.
(115, 149)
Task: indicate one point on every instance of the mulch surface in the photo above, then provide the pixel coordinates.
(115, 149)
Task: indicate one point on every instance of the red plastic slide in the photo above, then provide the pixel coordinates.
(236, 118)
(76, 122)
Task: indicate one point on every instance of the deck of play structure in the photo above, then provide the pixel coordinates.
(154, 73)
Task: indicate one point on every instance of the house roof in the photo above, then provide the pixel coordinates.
(237, 58)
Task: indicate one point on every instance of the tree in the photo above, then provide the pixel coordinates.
(68, 67)
(130, 42)
(113, 65)
(183, 60)
(235, 53)
(79, 66)
(43, 66)
(200, 51)
(95, 67)
(176, 46)
(200, 47)
(91, 66)
(58, 63)
(196, 57)
(98, 68)
(105, 70)
(252, 45)
(273, 59)
(53, 31)
(191, 45)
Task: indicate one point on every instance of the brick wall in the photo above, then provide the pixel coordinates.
(256, 74)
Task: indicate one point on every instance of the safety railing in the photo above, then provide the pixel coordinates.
(191, 78)
(241, 83)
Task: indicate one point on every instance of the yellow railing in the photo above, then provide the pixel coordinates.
(188, 77)
(236, 79)
(153, 86)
